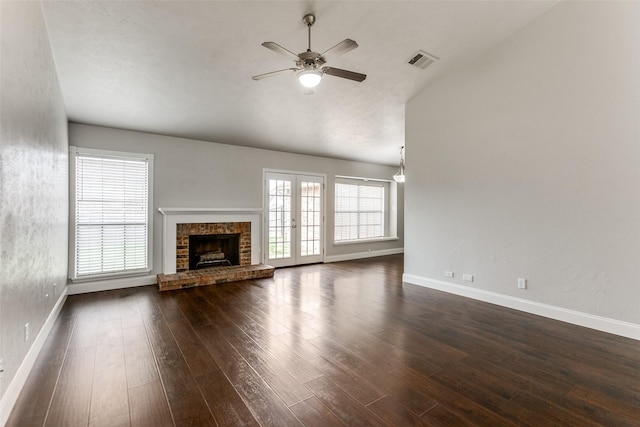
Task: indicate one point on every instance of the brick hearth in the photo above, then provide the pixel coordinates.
(213, 276)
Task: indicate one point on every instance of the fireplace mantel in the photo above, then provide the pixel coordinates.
(174, 216)
(191, 211)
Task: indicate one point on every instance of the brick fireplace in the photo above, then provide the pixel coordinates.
(217, 264)
(187, 260)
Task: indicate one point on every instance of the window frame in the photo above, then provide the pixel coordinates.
(389, 208)
(74, 152)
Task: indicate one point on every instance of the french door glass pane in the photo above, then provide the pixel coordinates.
(279, 218)
(310, 193)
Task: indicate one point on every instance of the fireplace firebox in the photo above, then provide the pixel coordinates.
(213, 250)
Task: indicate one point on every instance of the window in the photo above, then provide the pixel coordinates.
(360, 210)
(111, 209)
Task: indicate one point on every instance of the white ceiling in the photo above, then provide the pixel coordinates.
(183, 68)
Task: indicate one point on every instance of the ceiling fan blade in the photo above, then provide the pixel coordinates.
(273, 73)
(351, 75)
(343, 47)
(279, 49)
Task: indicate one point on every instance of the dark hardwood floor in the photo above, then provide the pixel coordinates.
(321, 345)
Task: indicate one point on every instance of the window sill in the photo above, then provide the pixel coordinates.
(114, 276)
(355, 242)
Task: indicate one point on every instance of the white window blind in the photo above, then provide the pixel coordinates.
(359, 212)
(111, 214)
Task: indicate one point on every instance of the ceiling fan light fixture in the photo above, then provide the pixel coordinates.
(310, 78)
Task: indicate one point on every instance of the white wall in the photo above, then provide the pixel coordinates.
(33, 187)
(190, 173)
(526, 164)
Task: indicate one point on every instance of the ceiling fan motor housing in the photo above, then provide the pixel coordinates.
(311, 58)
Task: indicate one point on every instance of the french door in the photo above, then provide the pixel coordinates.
(294, 219)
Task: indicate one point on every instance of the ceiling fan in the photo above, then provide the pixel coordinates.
(310, 65)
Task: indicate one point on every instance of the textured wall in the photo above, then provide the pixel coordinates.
(525, 164)
(190, 173)
(33, 181)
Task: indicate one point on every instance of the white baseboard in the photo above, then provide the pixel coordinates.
(604, 324)
(108, 285)
(360, 255)
(20, 378)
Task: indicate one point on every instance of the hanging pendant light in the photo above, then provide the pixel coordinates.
(399, 176)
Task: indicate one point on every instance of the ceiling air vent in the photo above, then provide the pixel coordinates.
(422, 59)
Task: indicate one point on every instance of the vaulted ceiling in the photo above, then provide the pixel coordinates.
(183, 68)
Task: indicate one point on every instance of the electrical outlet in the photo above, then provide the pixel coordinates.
(522, 283)
(467, 277)
(448, 274)
(26, 332)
